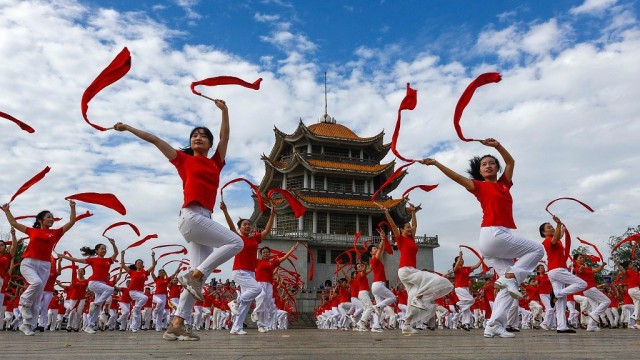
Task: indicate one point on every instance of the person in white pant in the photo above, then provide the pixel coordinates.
(383, 296)
(244, 266)
(36, 260)
(47, 294)
(465, 299)
(100, 266)
(6, 261)
(161, 289)
(564, 283)
(632, 280)
(498, 244)
(138, 276)
(598, 301)
(200, 177)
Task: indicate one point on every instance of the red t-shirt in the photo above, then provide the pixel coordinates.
(626, 299)
(402, 297)
(363, 282)
(100, 268)
(489, 292)
(632, 279)
(614, 301)
(5, 261)
(246, 259)
(408, 251)
(200, 178)
(138, 279)
(453, 297)
(555, 254)
(353, 283)
(264, 270)
(174, 291)
(162, 286)
(587, 275)
(532, 292)
(114, 302)
(496, 202)
(378, 270)
(344, 294)
(462, 277)
(544, 285)
(124, 296)
(41, 243)
(79, 289)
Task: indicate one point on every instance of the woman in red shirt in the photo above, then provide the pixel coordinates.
(36, 260)
(162, 282)
(138, 276)
(100, 266)
(423, 287)
(200, 177)
(599, 302)
(465, 299)
(244, 266)
(633, 287)
(497, 242)
(544, 291)
(124, 301)
(5, 260)
(383, 296)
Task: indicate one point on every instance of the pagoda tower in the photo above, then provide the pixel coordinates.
(333, 172)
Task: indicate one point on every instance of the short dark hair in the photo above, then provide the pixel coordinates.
(541, 229)
(87, 251)
(241, 221)
(474, 166)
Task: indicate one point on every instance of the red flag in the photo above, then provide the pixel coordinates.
(568, 198)
(39, 176)
(391, 179)
(255, 189)
(142, 241)
(408, 103)
(481, 80)
(22, 125)
(296, 206)
(225, 80)
(426, 188)
(567, 244)
(635, 237)
(107, 200)
(112, 73)
(593, 246)
(121, 223)
(485, 268)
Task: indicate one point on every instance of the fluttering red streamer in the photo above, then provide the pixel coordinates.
(567, 198)
(21, 124)
(296, 206)
(106, 200)
(409, 102)
(567, 236)
(255, 189)
(399, 171)
(39, 176)
(112, 73)
(387, 244)
(216, 271)
(142, 241)
(635, 237)
(84, 216)
(425, 188)
(121, 223)
(593, 246)
(485, 268)
(464, 100)
(312, 260)
(181, 251)
(567, 245)
(224, 80)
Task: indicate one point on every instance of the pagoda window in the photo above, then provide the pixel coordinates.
(316, 149)
(340, 185)
(287, 222)
(363, 224)
(335, 253)
(322, 256)
(295, 182)
(342, 224)
(359, 186)
(301, 149)
(333, 151)
(307, 222)
(318, 182)
(321, 222)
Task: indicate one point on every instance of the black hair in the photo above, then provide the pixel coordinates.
(541, 229)
(3, 242)
(625, 264)
(207, 133)
(474, 166)
(343, 280)
(575, 256)
(133, 266)
(240, 222)
(370, 247)
(402, 224)
(40, 217)
(265, 247)
(87, 251)
(455, 261)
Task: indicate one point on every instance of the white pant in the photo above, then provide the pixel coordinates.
(76, 307)
(249, 291)
(136, 313)
(124, 314)
(36, 272)
(465, 301)
(203, 235)
(549, 312)
(364, 298)
(559, 278)
(161, 301)
(264, 304)
(102, 292)
(634, 293)
(599, 304)
(44, 308)
(423, 284)
(499, 247)
(383, 296)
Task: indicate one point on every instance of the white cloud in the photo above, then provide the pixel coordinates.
(265, 17)
(592, 7)
(187, 6)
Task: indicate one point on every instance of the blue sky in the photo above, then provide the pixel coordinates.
(566, 108)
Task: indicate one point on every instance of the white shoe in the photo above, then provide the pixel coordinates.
(238, 332)
(593, 329)
(377, 330)
(26, 329)
(26, 312)
(408, 330)
(262, 329)
(418, 304)
(511, 285)
(544, 327)
(233, 307)
(89, 329)
(495, 330)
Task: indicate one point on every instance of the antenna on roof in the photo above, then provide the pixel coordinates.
(326, 118)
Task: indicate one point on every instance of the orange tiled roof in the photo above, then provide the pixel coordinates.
(334, 131)
(328, 201)
(348, 166)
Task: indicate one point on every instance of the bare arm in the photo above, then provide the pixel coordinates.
(458, 264)
(227, 217)
(394, 227)
(153, 265)
(72, 217)
(286, 256)
(477, 265)
(166, 149)
(463, 181)
(115, 249)
(380, 252)
(12, 221)
(267, 228)
(70, 258)
(122, 265)
(414, 221)
(223, 141)
(509, 162)
(14, 243)
(599, 268)
(557, 235)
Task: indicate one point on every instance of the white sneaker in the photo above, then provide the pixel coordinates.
(89, 330)
(544, 327)
(262, 329)
(233, 307)
(26, 312)
(407, 329)
(238, 332)
(511, 285)
(593, 329)
(495, 330)
(26, 329)
(377, 330)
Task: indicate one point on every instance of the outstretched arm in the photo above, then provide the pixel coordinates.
(14, 243)
(115, 249)
(557, 235)
(72, 217)
(458, 264)
(223, 142)
(509, 162)
(463, 181)
(227, 217)
(267, 228)
(153, 265)
(166, 149)
(71, 258)
(286, 256)
(394, 227)
(122, 265)
(12, 221)
(383, 238)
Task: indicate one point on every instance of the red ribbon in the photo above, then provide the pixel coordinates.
(387, 245)
(635, 237)
(225, 80)
(593, 246)
(181, 251)
(568, 198)
(567, 236)
(408, 103)
(39, 176)
(485, 268)
(425, 188)
(121, 223)
(464, 100)
(112, 73)
(391, 179)
(106, 200)
(255, 189)
(22, 125)
(633, 250)
(83, 216)
(312, 260)
(142, 241)
(216, 271)
(296, 206)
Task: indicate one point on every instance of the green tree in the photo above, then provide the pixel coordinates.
(623, 253)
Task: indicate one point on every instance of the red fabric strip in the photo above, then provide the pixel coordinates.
(106, 200)
(142, 241)
(485, 268)
(112, 73)
(164, 246)
(121, 223)
(567, 244)
(225, 80)
(425, 188)
(255, 189)
(633, 250)
(394, 176)
(39, 176)
(593, 246)
(84, 216)
(181, 251)
(312, 260)
(22, 125)
(568, 198)
(408, 103)
(635, 237)
(464, 100)
(387, 244)
(296, 206)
